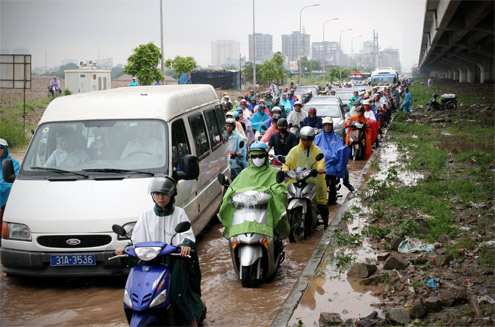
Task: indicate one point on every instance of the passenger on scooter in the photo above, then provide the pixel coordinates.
(360, 117)
(313, 120)
(272, 129)
(157, 224)
(336, 157)
(247, 124)
(259, 176)
(304, 155)
(282, 141)
(238, 163)
(239, 129)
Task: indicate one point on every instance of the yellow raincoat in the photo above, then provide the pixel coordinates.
(297, 157)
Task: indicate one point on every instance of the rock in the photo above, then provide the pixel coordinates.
(416, 310)
(443, 238)
(438, 245)
(432, 304)
(438, 120)
(421, 260)
(440, 251)
(361, 270)
(395, 242)
(443, 260)
(388, 237)
(383, 257)
(329, 319)
(373, 280)
(372, 320)
(466, 320)
(398, 316)
(453, 295)
(395, 261)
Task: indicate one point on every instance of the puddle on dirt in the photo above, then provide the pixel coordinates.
(389, 159)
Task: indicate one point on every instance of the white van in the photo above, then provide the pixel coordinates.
(384, 76)
(89, 165)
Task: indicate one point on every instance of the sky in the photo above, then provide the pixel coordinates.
(97, 29)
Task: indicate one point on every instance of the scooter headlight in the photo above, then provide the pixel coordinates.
(305, 174)
(148, 253)
(127, 299)
(292, 174)
(159, 299)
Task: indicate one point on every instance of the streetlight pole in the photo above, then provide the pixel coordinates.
(161, 39)
(352, 48)
(254, 50)
(340, 54)
(324, 26)
(299, 43)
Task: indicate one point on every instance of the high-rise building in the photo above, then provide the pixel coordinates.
(389, 58)
(290, 45)
(326, 52)
(224, 52)
(264, 47)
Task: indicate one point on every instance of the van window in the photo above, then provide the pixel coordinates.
(221, 122)
(213, 128)
(200, 137)
(180, 146)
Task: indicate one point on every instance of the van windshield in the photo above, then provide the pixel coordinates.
(99, 146)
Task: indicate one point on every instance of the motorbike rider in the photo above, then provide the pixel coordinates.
(360, 118)
(4, 186)
(353, 99)
(56, 82)
(309, 96)
(239, 162)
(406, 105)
(313, 120)
(304, 155)
(296, 117)
(282, 141)
(336, 158)
(259, 176)
(239, 129)
(244, 109)
(157, 224)
(247, 124)
(134, 82)
(259, 119)
(286, 104)
(272, 129)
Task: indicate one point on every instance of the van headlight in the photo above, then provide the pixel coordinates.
(15, 231)
(147, 253)
(129, 227)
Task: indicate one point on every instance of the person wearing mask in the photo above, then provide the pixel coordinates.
(226, 107)
(336, 158)
(238, 163)
(286, 104)
(296, 117)
(313, 120)
(276, 103)
(283, 140)
(238, 102)
(360, 117)
(134, 82)
(252, 103)
(157, 224)
(4, 186)
(272, 129)
(247, 124)
(406, 105)
(304, 155)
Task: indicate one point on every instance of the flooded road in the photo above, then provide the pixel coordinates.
(98, 301)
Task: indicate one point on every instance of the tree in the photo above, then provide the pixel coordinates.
(310, 65)
(273, 69)
(143, 64)
(247, 71)
(181, 65)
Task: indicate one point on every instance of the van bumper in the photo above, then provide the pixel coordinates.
(37, 264)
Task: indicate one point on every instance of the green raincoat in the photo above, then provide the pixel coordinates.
(257, 179)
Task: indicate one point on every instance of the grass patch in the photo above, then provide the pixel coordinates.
(13, 132)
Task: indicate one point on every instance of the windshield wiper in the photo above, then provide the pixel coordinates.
(114, 170)
(56, 170)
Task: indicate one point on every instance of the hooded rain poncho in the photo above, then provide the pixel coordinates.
(336, 153)
(259, 119)
(4, 186)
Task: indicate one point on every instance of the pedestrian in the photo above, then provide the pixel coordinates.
(406, 105)
(430, 82)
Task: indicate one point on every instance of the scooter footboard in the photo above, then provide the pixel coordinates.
(248, 254)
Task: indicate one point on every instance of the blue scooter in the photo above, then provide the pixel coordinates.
(147, 290)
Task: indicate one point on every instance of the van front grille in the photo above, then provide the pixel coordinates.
(74, 241)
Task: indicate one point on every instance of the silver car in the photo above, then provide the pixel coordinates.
(330, 106)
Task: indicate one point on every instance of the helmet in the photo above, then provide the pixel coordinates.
(360, 108)
(307, 133)
(298, 103)
(239, 109)
(258, 146)
(312, 110)
(282, 122)
(276, 117)
(262, 100)
(243, 101)
(225, 104)
(327, 120)
(230, 121)
(276, 108)
(229, 114)
(164, 185)
(309, 92)
(261, 106)
(3, 142)
(236, 115)
(366, 102)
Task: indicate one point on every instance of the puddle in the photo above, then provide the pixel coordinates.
(390, 159)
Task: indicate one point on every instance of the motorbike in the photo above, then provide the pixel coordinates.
(255, 257)
(301, 200)
(357, 139)
(448, 101)
(147, 291)
(52, 91)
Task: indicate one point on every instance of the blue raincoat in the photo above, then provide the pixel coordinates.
(4, 186)
(258, 119)
(336, 153)
(234, 140)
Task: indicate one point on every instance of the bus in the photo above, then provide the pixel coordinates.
(383, 76)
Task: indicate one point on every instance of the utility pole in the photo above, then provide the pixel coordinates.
(254, 49)
(161, 40)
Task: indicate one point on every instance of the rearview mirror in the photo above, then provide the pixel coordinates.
(221, 179)
(280, 176)
(190, 168)
(281, 159)
(182, 227)
(8, 172)
(241, 144)
(119, 230)
(319, 156)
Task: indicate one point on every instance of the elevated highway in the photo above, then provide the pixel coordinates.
(458, 40)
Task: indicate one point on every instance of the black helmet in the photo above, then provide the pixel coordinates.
(282, 122)
(164, 185)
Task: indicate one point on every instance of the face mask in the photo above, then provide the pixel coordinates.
(258, 162)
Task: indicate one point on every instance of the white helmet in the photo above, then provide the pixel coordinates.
(3, 142)
(307, 133)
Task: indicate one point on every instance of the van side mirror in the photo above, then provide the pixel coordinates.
(8, 172)
(319, 156)
(182, 227)
(280, 176)
(119, 230)
(190, 168)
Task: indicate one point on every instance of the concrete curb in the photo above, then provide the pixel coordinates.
(287, 309)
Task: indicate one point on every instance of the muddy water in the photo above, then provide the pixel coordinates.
(389, 157)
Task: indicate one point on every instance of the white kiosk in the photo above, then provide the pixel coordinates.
(87, 79)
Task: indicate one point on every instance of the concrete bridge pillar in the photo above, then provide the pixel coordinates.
(462, 75)
(470, 73)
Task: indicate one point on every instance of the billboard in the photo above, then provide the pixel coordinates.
(15, 71)
(293, 66)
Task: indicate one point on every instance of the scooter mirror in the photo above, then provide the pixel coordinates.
(119, 230)
(281, 159)
(182, 227)
(319, 156)
(221, 179)
(280, 176)
(241, 144)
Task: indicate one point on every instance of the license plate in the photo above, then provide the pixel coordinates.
(73, 260)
